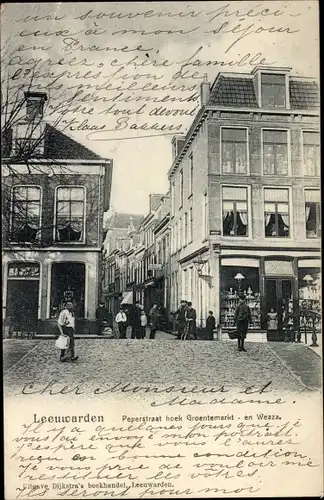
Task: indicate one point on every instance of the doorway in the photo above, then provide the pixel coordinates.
(22, 304)
(67, 284)
(279, 296)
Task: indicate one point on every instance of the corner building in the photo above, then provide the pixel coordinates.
(245, 199)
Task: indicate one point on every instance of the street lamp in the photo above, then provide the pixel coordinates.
(199, 264)
(239, 278)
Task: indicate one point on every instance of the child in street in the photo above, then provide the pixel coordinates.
(210, 325)
(143, 324)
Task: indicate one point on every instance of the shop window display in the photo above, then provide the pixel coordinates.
(309, 283)
(231, 289)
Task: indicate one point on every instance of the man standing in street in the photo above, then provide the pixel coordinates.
(242, 318)
(136, 321)
(154, 321)
(101, 317)
(191, 317)
(181, 318)
(66, 326)
(121, 320)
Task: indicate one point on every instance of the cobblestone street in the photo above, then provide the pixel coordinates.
(162, 361)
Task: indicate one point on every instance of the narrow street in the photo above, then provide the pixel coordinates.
(163, 361)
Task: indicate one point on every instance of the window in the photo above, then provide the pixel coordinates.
(234, 151)
(190, 174)
(276, 212)
(235, 211)
(181, 188)
(312, 213)
(273, 91)
(28, 140)
(311, 153)
(70, 212)
(186, 228)
(204, 216)
(275, 152)
(190, 232)
(172, 198)
(180, 234)
(25, 221)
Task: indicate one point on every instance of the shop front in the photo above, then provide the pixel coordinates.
(237, 280)
(309, 299)
(286, 289)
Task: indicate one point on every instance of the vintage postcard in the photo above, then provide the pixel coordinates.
(161, 228)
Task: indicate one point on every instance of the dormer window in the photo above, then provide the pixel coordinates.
(35, 105)
(273, 90)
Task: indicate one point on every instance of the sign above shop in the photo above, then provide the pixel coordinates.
(23, 270)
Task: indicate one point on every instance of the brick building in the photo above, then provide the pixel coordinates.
(118, 256)
(245, 194)
(54, 198)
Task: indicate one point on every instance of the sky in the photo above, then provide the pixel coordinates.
(123, 78)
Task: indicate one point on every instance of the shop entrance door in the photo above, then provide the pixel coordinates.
(279, 297)
(22, 304)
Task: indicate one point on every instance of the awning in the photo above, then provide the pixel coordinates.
(127, 298)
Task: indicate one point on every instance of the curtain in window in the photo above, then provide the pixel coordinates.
(243, 217)
(285, 219)
(307, 212)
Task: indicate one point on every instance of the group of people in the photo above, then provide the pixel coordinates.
(186, 321)
(138, 320)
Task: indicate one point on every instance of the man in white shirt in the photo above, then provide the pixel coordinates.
(66, 326)
(121, 320)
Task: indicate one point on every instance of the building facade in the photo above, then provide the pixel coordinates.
(137, 258)
(54, 194)
(120, 239)
(245, 213)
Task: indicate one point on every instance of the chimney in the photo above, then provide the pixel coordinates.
(35, 105)
(177, 143)
(154, 201)
(204, 91)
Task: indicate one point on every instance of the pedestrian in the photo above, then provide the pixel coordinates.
(66, 326)
(191, 317)
(154, 321)
(136, 321)
(181, 318)
(272, 323)
(143, 318)
(101, 317)
(121, 320)
(242, 318)
(210, 325)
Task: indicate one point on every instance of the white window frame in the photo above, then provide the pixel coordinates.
(302, 153)
(181, 188)
(309, 188)
(247, 149)
(39, 237)
(269, 72)
(249, 208)
(82, 242)
(279, 129)
(190, 183)
(291, 218)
